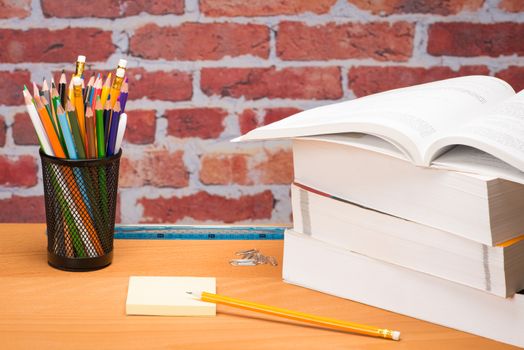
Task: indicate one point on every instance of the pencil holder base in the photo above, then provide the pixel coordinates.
(76, 264)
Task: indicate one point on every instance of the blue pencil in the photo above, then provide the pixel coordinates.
(66, 131)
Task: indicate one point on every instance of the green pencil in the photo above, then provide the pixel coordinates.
(77, 137)
(99, 110)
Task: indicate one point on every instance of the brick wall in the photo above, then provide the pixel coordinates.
(203, 72)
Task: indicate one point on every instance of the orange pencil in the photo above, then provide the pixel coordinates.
(49, 129)
(117, 85)
(79, 106)
(91, 134)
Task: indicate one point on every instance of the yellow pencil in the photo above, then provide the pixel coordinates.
(105, 90)
(298, 316)
(117, 84)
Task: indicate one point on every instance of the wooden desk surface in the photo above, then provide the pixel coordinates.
(44, 308)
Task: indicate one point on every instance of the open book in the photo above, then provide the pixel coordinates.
(472, 124)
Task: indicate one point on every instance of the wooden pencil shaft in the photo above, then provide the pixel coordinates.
(298, 316)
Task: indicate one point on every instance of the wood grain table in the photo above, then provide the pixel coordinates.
(44, 308)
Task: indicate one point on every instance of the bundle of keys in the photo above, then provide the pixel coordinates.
(252, 257)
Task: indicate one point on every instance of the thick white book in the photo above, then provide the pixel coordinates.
(323, 267)
(498, 270)
(472, 123)
(374, 174)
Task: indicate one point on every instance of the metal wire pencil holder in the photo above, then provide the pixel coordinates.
(80, 202)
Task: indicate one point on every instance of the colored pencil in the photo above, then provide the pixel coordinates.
(66, 131)
(100, 132)
(50, 130)
(113, 130)
(62, 88)
(105, 90)
(123, 95)
(37, 124)
(75, 129)
(90, 133)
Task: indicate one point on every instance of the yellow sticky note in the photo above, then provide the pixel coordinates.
(166, 296)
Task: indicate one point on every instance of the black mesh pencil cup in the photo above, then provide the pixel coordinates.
(80, 203)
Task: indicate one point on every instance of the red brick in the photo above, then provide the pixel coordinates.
(476, 39)
(23, 130)
(110, 8)
(369, 80)
(12, 86)
(381, 41)
(62, 45)
(171, 85)
(3, 129)
(277, 168)
(205, 206)
(224, 169)
(512, 5)
(200, 41)
(275, 114)
(205, 123)
(255, 83)
(218, 8)
(437, 7)
(141, 126)
(22, 209)
(514, 75)
(15, 8)
(19, 171)
(157, 167)
(248, 121)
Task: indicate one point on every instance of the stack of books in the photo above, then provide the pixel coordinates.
(412, 200)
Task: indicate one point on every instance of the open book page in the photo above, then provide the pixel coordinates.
(364, 141)
(472, 160)
(500, 132)
(411, 117)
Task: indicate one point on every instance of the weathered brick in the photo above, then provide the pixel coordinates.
(23, 130)
(15, 8)
(200, 41)
(3, 129)
(369, 80)
(247, 120)
(476, 39)
(205, 123)
(22, 209)
(62, 45)
(20, 171)
(157, 167)
(437, 7)
(276, 168)
(272, 115)
(219, 8)
(514, 75)
(110, 8)
(512, 5)
(12, 86)
(381, 41)
(141, 126)
(255, 83)
(205, 206)
(171, 85)
(224, 169)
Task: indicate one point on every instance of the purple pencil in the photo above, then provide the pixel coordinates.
(113, 129)
(123, 95)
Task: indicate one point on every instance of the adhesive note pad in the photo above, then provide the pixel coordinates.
(166, 296)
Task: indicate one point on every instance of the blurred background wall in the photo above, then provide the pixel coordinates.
(204, 71)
